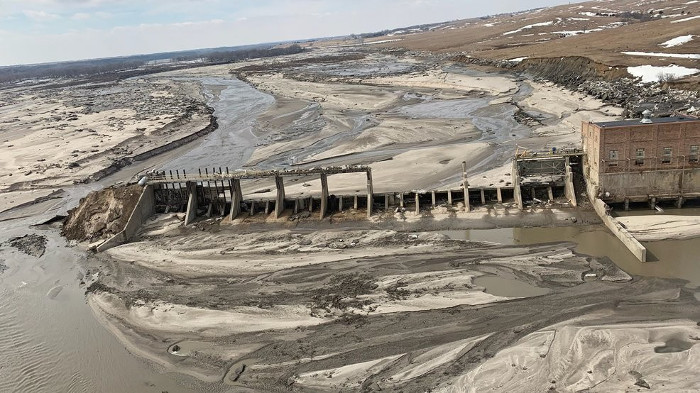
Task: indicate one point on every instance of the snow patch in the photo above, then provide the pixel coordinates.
(650, 73)
(380, 42)
(677, 41)
(517, 59)
(529, 27)
(669, 55)
(686, 19)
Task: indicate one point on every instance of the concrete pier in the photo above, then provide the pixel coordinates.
(465, 187)
(279, 203)
(370, 192)
(386, 202)
(517, 192)
(499, 195)
(324, 195)
(401, 200)
(550, 193)
(483, 197)
(569, 190)
(449, 197)
(236, 198)
(191, 203)
(340, 203)
(433, 198)
(417, 204)
(355, 203)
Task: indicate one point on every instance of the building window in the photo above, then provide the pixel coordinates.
(612, 156)
(694, 152)
(639, 157)
(666, 158)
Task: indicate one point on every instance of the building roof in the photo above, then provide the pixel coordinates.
(638, 122)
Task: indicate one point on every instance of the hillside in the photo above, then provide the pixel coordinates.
(622, 33)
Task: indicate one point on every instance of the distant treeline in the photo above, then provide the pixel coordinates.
(236, 55)
(124, 67)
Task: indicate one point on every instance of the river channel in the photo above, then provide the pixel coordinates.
(52, 342)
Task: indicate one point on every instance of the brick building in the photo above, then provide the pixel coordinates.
(647, 160)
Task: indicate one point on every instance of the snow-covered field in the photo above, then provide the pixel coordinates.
(650, 73)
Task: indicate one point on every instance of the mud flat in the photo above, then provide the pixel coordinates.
(350, 310)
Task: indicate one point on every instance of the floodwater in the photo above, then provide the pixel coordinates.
(51, 341)
(668, 258)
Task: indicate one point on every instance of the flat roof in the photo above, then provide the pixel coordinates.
(638, 122)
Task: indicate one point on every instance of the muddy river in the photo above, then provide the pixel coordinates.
(668, 258)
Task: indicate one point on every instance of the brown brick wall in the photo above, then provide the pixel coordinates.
(653, 138)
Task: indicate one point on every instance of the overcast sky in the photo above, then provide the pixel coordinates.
(35, 31)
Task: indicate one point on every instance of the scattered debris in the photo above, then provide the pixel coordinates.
(32, 244)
